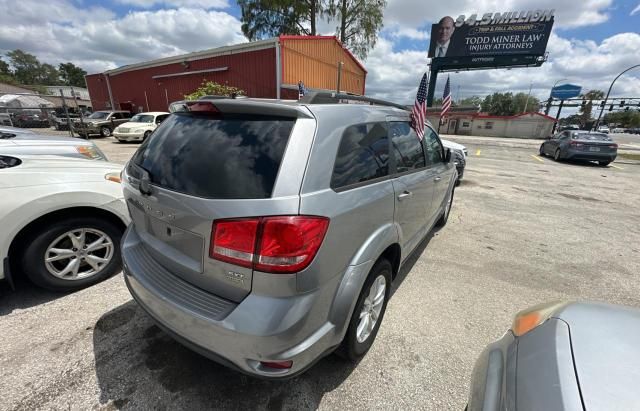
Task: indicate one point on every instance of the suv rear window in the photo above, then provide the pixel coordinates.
(207, 155)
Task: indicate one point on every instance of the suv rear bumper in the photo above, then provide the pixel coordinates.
(238, 335)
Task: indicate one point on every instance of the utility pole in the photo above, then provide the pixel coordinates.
(73, 93)
(66, 113)
(557, 117)
(526, 104)
(340, 64)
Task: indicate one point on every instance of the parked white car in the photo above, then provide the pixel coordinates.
(61, 220)
(459, 154)
(140, 126)
(14, 143)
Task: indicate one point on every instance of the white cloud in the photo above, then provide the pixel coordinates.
(109, 42)
(398, 31)
(636, 10)
(205, 4)
(569, 13)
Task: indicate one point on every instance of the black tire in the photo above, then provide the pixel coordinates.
(33, 257)
(442, 221)
(542, 154)
(557, 156)
(146, 135)
(121, 141)
(105, 131)
(604, 163)
(350, 348)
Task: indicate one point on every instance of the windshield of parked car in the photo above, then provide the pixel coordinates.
(142, 118)
(99, 115)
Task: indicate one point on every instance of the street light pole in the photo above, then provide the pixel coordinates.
(595, 126)
(546, 111)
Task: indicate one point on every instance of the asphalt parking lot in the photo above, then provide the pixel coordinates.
(523, 230)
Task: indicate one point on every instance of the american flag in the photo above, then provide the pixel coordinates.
(446, 98)
(419, 112)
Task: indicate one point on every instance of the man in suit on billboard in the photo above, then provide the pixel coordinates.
(446, 27)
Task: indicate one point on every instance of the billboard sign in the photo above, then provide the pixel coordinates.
(565, 91)
(494, 34)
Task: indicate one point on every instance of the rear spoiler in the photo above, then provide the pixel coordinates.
(243, 106)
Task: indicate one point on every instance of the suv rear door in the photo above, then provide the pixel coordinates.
(203, 167)
(412, 183)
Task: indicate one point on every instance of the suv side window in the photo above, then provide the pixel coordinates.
(115, 116)
(363, 155)
(435, 152)
(126, 114)
(406, 146)
(161, 118)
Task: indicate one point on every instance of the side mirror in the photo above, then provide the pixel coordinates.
(447, 155)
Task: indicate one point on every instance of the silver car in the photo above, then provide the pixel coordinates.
(562, 356)
(21, 143)
(266, 234)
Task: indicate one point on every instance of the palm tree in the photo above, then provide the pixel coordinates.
(585, 111)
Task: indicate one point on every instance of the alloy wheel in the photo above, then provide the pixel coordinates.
(371, 309)
(79, 253)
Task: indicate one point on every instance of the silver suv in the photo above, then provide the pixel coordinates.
(266, 234)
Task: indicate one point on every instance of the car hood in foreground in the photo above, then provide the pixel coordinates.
(26, 139)
(606, 348)
(38, 170)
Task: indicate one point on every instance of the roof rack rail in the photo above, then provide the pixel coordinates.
(325, 97)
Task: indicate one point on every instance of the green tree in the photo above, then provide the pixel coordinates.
(498, 104)
(269, 18)
(626, 118)
(586, 110)
(4, 69)
(474, 101)
(360, 22)
(72, 75)
(524, 103)
(211, 88)
(26, 67)
(508, 104)
(48, 75)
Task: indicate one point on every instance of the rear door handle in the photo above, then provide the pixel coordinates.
(405, 194)
(437, 178)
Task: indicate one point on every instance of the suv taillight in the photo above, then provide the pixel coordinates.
(280, 244)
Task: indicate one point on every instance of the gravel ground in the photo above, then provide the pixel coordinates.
(523, 230)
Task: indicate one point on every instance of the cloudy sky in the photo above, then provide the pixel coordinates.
(591, 42)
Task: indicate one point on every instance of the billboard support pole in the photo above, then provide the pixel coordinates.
(555, 125)
(433, 76)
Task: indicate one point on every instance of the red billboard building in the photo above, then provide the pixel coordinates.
(268, 68)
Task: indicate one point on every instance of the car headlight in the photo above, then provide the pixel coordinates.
(89, 152)
(115, 177)
(530, 318)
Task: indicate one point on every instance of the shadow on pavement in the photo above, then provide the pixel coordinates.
(26, 295)
(139, 366)
(411, 261)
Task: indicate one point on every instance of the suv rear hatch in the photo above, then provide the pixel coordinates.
(204, 165)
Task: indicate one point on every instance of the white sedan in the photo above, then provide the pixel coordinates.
(139, 127)
(62, 220)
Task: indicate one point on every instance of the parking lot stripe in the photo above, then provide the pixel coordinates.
(619, 168)
(478, 152)
(537, 158)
